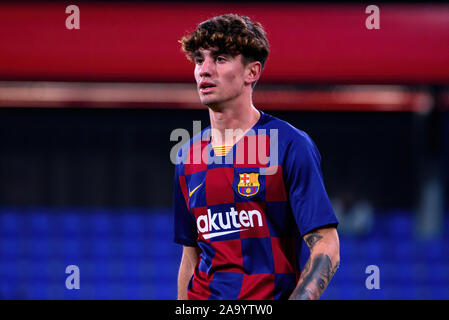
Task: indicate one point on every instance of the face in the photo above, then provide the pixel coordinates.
(219, 77)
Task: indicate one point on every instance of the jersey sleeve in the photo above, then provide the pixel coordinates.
(185, 232)
(307, 194)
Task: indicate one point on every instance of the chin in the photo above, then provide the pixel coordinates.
(208, 101)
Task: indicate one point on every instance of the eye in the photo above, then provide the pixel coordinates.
(220, 59)
(198, 60)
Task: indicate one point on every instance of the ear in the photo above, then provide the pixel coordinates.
(253, 71)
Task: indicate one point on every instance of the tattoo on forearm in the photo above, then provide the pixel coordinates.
(317, 273)
(337, 264)
(312, 239)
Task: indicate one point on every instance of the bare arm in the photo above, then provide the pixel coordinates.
(322, 264)
(190, 257)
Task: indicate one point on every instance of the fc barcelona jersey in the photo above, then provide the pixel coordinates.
(247, 210)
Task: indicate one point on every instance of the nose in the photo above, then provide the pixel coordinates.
(206, 68)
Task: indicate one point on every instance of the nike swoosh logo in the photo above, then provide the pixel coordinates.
(191, 192)
(217, 234)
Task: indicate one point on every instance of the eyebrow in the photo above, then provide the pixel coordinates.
(213, 53)
(197, 54)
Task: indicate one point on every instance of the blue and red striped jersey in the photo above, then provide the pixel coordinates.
(248, 210)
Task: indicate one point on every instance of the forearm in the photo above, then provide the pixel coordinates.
(315, 277)
(184, 276)
(189, 259)
(322, 264)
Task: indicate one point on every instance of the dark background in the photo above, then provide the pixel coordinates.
(101, 157)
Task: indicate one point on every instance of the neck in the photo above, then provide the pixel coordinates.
(231, 122)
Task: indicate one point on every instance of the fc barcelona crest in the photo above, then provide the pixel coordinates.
(248, 184)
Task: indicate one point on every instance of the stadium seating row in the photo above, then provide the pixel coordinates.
(129, 254)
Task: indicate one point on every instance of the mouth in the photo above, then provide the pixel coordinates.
(206, 87)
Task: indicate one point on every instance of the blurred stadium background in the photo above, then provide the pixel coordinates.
(86, 117)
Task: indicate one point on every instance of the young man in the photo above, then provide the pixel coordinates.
(241, 222)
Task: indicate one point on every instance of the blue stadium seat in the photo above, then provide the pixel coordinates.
(403, 250)
(129, 254)
(69, 247)
(8, 270)
(100, 222)
(348, 291)
(9, 222)
(132, 224)
(9, 248)
(400, 225)
(438, 273)
(439, 292)
(39, 223)
(69, 224)
(130, 248)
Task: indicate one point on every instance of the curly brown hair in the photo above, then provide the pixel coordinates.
(231, 34)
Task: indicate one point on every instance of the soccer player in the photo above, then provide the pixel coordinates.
(242, 219)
